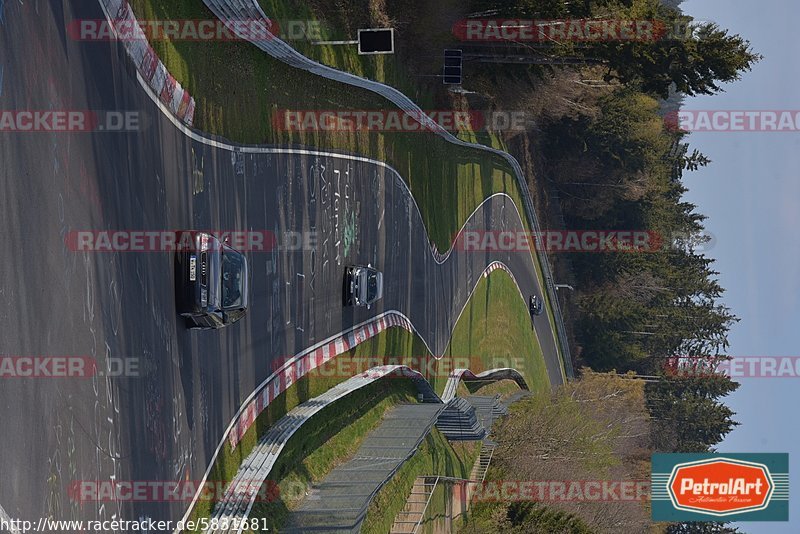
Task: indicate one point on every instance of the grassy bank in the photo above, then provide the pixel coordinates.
(495, 329)
(504, 388)
(239, 89)
(328, 439)
(393, 342)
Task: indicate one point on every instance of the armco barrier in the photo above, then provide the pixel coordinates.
(310, 359)
(240, 495)
(169, 91)
(458, 375)
(231, 10)
(182, 105)
(296, 367)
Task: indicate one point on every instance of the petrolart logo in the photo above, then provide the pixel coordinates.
(720, 487)
(708, 487)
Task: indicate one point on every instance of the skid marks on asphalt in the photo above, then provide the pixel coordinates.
(198, 173)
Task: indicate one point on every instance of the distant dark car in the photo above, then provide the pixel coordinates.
(535, 305)
(211, 283)
(363, 286)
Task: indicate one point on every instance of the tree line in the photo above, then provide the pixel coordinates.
(617, 164)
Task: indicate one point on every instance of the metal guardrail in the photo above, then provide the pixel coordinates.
(457, 375)
(428, 503)
(228, 10)
(477, 477)
(240, 495)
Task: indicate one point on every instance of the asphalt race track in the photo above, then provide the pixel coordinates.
(166, 423)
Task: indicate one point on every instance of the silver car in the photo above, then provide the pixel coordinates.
(363, 286)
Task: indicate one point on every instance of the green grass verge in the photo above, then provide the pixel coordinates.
(495, 328)
(238, 88)
(335, 23)
(435, 456)
(393, 342)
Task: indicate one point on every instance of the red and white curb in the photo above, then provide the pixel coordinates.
(150, 67)
(498, 265)
(299, 365)
(389, 316)
(308, 360)
(237, 502)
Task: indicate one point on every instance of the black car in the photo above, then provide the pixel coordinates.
(211, 283)
(535, 305)
(362, 286)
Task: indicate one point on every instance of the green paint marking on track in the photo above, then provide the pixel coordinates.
(350, 232)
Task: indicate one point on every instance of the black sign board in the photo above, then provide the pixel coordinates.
(376, 41)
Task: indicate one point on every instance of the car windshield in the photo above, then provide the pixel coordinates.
(372, 286)
(232, 279)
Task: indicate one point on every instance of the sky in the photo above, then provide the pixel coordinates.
(751, 194)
